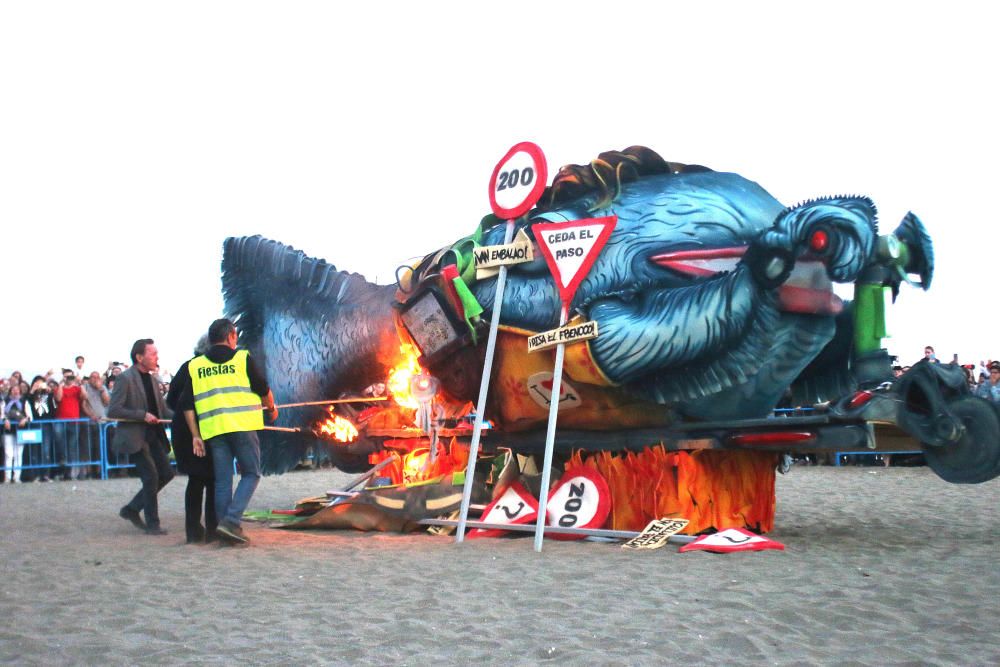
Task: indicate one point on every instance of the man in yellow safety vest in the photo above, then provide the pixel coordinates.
(224, 408)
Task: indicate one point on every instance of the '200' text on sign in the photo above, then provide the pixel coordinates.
(569, 334)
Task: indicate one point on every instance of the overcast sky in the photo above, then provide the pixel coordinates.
(135, 137)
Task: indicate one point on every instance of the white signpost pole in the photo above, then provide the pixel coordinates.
(477, 427)
(550, 434)
(516, 185)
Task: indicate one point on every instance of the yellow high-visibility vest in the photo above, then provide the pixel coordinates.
(223, 400)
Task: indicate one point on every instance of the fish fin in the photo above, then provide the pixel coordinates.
(256, 270)
(317, 332)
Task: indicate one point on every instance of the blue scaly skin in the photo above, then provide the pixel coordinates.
(717, 346)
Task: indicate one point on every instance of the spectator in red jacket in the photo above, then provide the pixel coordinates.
(67, 434)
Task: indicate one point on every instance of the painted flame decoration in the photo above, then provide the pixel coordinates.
(712, 489)
(340, 428)
(399, 378)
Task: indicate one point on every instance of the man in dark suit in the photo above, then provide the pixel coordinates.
(136, 400)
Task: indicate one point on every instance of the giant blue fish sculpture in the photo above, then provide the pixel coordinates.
(713, 301)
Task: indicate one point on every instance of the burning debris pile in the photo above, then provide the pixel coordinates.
(408, 409)
(407, 416)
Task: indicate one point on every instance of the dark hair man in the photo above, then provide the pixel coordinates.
(222, 405)
(139, 407)
(990, 388)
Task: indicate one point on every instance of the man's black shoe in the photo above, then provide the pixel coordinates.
(133, 516)
(155, 531)
(232, 533)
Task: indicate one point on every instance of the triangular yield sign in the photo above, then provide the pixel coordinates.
(570, 249)
(515, 505)
(732, 539)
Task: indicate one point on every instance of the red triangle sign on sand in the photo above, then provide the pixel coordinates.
(570, 249)
(732, 539)
(515, 505)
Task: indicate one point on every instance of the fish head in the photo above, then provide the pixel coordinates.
(701, 271)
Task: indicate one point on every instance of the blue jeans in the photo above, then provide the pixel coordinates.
(244, 446)
(66, 440)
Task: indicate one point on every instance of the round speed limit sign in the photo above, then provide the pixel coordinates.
(582, 499)
(518, 181)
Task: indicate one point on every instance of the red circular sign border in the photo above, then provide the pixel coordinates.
(542, 178)
(603, 497)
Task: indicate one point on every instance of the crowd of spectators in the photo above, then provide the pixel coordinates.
(983, 380)
(72, 394)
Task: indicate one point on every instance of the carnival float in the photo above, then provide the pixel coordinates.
(608, 349)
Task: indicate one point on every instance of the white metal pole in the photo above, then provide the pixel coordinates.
(550, 434)
(477, 426)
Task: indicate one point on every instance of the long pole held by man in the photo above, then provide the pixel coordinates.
(222, 406)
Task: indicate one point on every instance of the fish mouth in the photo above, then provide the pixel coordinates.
(808, 290)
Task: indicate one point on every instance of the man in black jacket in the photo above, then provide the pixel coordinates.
(199, 469)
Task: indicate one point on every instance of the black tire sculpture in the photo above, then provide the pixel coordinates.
(975, 457)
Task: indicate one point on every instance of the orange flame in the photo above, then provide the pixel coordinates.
(341, 429)
(399, 378)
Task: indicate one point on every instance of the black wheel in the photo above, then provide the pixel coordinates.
(975, 457)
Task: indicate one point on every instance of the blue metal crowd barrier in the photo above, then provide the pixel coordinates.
(120, 460)
(116, 460)
(792, 412)
(60, 447)
(842, 457)
(67, 447)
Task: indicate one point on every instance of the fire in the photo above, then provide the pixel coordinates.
(399, 378)
(341, 429)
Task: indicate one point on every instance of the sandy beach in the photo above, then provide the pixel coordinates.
(882, 567)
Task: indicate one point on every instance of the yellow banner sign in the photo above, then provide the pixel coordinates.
(490, 258)
(568, 334)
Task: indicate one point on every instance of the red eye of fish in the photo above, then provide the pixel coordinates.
(819, 240)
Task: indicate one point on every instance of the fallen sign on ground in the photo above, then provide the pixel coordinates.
(733, 539)
(569, 334)
(656, 533)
